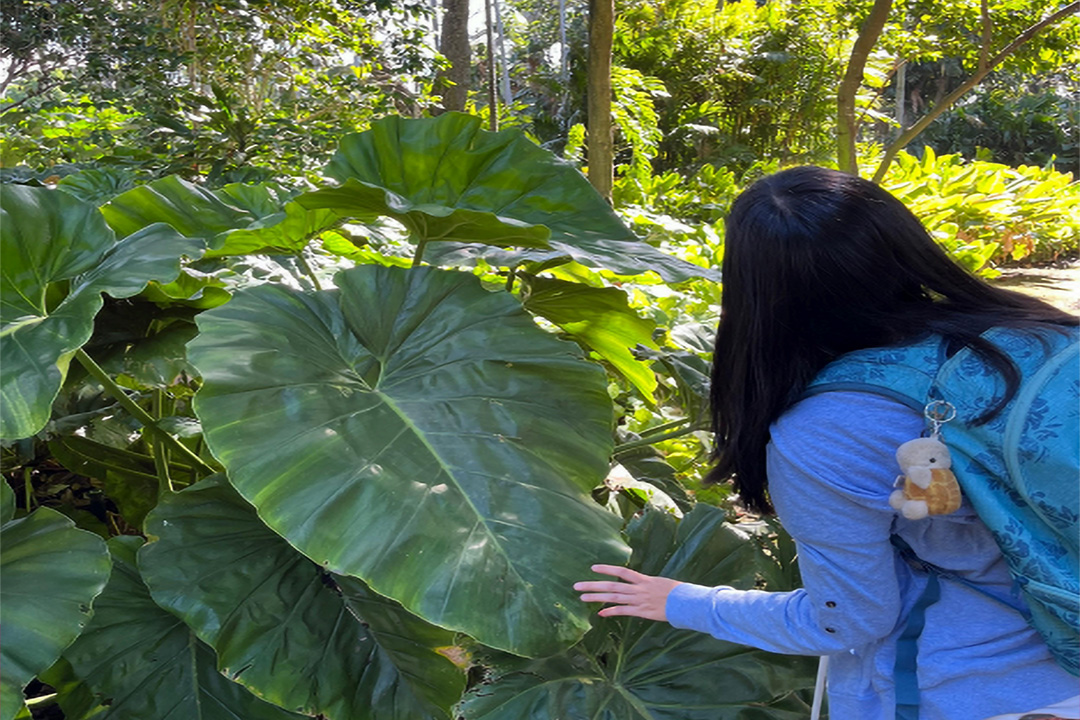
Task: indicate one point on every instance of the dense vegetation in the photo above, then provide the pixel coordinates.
(317, 397)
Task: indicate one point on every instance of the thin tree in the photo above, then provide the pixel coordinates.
(846, 123)
(601, 151)
(493, 96)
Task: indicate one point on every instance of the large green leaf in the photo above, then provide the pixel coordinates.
(633, 669)
(447, 179)
(57, 256)
(50, 573)
(144, 664)
(421, 433)
(293, 633)
(236, 220)
(192, 210)
(599, 318)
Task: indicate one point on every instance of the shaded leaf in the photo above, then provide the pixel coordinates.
(236, 220)
(421, 433)
(634, 669)
(283, 627)
(56, 258)
(145, 664)
(130, 479)
(50, 573)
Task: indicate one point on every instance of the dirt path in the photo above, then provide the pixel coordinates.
(1057, 285)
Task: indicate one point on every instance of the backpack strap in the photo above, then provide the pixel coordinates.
(905, 669)
(906, 374)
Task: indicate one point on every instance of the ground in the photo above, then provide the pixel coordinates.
(1058, 285)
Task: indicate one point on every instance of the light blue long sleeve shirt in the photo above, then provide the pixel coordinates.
(831, 468)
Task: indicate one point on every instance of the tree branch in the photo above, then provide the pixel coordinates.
(949, 100)
(36, 94)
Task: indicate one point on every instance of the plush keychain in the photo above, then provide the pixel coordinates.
(927, 486)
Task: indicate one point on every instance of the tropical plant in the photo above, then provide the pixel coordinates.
(988, 214)
(339, 480)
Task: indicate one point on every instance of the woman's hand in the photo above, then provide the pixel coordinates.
(639, 595)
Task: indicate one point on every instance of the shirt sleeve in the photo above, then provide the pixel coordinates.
(831, 467)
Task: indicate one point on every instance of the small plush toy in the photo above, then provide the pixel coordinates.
(928, 485)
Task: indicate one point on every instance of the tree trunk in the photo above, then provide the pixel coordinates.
(507, 94)
(601, 155)
(846, 125)
(454, 45)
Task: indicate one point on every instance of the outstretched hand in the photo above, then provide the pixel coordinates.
(638, 595)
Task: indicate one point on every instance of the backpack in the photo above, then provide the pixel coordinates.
(1020, 470)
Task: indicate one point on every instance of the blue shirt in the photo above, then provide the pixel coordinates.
(831, 468)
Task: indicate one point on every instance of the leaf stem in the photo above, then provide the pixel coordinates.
(132, 407)
(419, 255)
(160, 452)
(665, 426)
(653, 439)
(308, 269)
(28, 488)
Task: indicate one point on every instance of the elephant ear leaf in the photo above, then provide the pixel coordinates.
(447, 179)
(421, 433)
(602, 320)
(284, 627)
(142, 663)
(629, 668)
(236, 220)
(50, 573)
(57, 256)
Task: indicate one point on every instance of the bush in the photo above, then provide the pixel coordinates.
(987, 214)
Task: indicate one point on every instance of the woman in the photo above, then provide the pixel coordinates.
(819, 263)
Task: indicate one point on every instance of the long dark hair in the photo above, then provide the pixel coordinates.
(818, 263)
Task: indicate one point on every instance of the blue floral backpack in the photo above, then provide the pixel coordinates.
(1020, 471)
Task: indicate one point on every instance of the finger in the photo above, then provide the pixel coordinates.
(602, 586)
(617, 610)
(607, 598)
(623, 573)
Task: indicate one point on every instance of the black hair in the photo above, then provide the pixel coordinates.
(818, 263)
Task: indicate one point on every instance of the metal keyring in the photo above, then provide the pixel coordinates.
(939, 411)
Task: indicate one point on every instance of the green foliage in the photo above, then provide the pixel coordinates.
(58, 257)
(142, 662)
(1013, 125)
(282, 626)
(746, 80)
(632, 669)
(457, 450)
(229, 88)
(449, 195)
(423, 456)
(50, 573)
(986, 214)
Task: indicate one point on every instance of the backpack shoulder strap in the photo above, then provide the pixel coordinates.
(906, 373)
